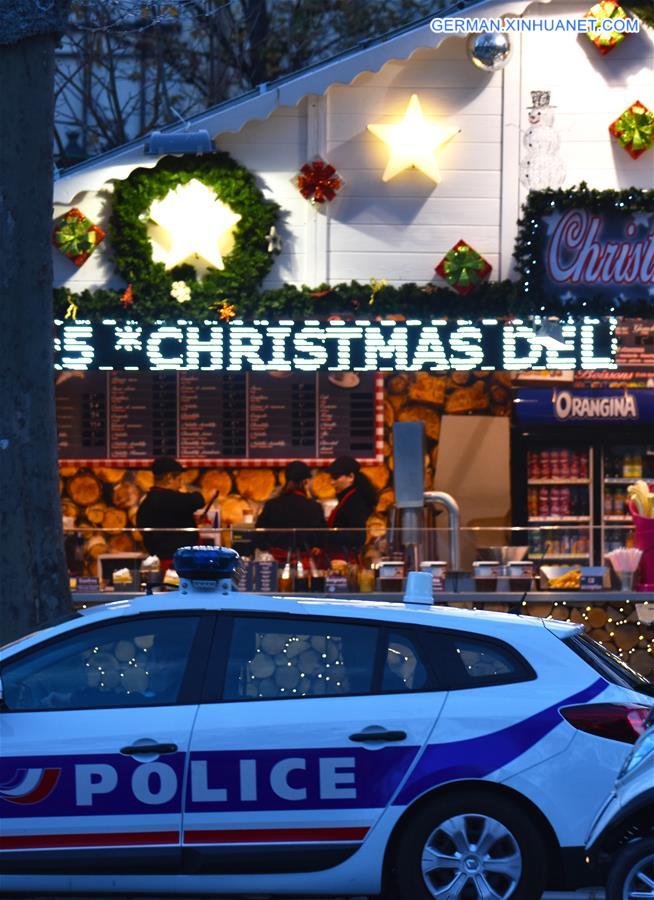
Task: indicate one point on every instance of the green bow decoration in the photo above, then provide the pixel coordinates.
(75, 237)
(602, 12)
(462, 266)
(635, 128)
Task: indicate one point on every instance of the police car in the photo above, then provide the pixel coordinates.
(210, 741)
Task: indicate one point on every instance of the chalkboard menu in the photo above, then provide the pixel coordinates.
(213, 418)
(82, 415)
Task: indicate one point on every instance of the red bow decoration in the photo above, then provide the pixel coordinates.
(318, 181)
(128, 297)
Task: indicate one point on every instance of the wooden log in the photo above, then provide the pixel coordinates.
(576, 616)
(468, 399)
(378, 475)
(95, 545)
(233, 510)
(95, 513)
(67, 471)
(560, 613)
(642, 662)
(125, 495)
(68, 508)
(458, 379)
(144, 479)
(84, 488)
(396, 402)
(389, 414)
(428, 389)
(213, 480)
(120, 543)
(597, 617)
(431, 418)
(540, 610)
(114, 518)
(386, 500)
(501, 400)
(397, 384)
(255, 484)
(601, 635)
(109, 475)
(322, 486)
(626, 637)
(190, 476)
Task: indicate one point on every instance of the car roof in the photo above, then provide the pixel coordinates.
(472, 620)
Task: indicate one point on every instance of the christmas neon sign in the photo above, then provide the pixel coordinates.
(436, 345)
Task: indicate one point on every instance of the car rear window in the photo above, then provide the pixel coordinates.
(480, 662)
(608, 664)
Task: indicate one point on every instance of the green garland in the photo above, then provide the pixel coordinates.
(245, 266)
(239, 282)
(529, 256)
(644, 11)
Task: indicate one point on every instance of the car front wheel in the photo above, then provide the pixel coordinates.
(632, 872)
(468, 847)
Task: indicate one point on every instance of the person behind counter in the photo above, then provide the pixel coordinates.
(291, 509)
(357, 499)
(166, 506)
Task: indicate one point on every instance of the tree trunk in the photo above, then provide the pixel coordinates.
(33, 578)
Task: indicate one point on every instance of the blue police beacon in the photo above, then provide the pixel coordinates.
(205, 568)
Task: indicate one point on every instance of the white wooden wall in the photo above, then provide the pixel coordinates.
(400, 230)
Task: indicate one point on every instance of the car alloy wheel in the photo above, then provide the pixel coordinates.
(472, 857)
(639, 882)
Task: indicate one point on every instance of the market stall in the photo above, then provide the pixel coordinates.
(407, 233)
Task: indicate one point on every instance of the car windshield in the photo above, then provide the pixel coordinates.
(609, 665)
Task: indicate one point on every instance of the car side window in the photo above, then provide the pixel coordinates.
(479, 662)
(284, 658)
(404, 669)
(135, 662)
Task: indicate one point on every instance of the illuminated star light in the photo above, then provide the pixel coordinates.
(413, 142)
(196, 222)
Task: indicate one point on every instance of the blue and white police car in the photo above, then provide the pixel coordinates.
(210, 741)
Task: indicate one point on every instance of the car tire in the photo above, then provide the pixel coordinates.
(624, 877)
(438, 853)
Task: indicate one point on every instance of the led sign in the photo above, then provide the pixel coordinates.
(262, 346)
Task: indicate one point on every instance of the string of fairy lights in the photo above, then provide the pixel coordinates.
(625, 615)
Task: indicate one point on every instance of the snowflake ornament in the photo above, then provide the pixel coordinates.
(180, 291)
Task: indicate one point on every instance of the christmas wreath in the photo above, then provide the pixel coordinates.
(155, 288)
(530, 258)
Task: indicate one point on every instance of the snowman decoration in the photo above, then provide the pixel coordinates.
(541, 166)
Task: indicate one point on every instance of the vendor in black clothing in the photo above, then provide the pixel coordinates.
(357, 499)
(291, 509)
(166, 506)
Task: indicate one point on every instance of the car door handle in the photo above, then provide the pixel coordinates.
(144, 749)
(374, 733)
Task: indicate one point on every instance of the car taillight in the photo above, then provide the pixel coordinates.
(618, 721)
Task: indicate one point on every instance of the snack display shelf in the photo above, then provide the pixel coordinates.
(558, 519)
(624, 519)
(566, 556)
(623, 480)
(559, 481)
